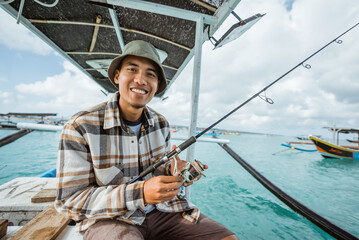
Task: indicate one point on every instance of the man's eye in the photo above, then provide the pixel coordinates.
(152, 74)
(131, 69)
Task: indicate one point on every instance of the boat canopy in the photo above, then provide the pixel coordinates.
(343, 130)
(336, 131)
(91, 33)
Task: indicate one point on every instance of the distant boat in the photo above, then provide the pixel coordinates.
(307, 143)
(212, 134)
(306, 138)
(329, 150)
(352, 141)
(303, 138)
(231, 133)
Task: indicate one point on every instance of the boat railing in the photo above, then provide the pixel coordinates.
(203, 139)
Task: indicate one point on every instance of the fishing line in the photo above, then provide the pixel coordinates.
(193, 139)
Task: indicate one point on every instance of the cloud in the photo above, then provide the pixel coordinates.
(305, 100)
(2, 79)
(20, 38)
(5, 97)
(4, 94)
(65, 93)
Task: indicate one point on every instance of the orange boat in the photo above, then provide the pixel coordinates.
(329, 150)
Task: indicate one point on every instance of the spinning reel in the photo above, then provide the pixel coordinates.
(191, 171)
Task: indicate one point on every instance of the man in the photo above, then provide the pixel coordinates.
(103, 148)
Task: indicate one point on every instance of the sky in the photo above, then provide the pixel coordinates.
(34, 78)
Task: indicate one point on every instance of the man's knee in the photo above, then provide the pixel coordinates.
(231, 237)
(112, 230)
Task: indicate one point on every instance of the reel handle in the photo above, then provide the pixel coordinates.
(165, 158)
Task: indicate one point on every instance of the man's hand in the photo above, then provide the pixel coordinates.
(161, 188)
(181, 164)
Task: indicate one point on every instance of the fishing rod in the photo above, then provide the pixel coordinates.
(193, 139)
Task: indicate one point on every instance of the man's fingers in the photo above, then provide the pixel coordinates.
(170, 186)
(167, 183)
(166, 196)
(173, 148)
(161, 188)
(169, 179)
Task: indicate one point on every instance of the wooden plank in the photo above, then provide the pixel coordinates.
(3, 227)
(47, 225)
(45, 195)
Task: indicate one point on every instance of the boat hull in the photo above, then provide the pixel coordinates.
(329, 150)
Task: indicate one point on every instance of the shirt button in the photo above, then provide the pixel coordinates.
(132, 141)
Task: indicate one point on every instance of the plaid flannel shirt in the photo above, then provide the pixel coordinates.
(98, 155)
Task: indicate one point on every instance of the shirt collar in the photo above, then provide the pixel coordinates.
(112, 116)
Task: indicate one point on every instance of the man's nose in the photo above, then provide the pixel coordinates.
(140, 78)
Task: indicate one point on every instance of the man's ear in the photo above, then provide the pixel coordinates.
(117, 74)
(158, 85)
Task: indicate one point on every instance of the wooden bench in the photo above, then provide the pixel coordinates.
(34, 204)
(46, 225)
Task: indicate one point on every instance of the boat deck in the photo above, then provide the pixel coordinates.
(20, 202)
(69, 233)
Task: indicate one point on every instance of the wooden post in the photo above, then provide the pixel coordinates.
(3, 227)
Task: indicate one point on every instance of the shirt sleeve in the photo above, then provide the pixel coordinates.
(78, 194)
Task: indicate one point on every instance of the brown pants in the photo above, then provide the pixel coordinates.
(159, 225)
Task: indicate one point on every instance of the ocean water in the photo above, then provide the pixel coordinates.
(231, 195)
(28, 156)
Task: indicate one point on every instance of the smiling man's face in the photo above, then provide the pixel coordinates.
(137, 82)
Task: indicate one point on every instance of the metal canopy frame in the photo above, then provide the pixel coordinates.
(206, 21)
(163, 10)
(77, 17)
(12, 12)
(116, 24)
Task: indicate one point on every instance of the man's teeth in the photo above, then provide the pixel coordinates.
(138, 91)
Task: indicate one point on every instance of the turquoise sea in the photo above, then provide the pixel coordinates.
(231, 195)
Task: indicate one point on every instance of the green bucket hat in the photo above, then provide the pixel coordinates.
(144, 49)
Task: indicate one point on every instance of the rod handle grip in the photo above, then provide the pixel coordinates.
(187, 143)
